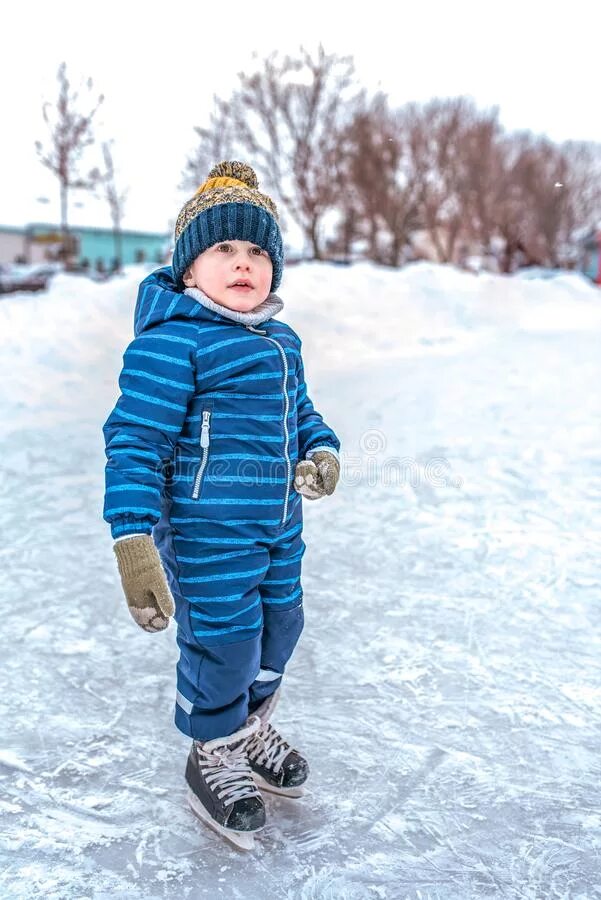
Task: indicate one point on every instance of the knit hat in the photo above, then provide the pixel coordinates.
(228, 207)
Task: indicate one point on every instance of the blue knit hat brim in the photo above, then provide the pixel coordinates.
(229, 222)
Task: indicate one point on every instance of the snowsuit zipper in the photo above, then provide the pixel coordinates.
(286, 412)
(204, 443)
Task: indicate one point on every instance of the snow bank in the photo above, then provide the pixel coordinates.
(67, 339)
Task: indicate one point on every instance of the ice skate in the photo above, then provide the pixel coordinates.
(276, 766)
(221, 789)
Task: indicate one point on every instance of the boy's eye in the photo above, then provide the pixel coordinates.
(224, 247)
(257, 251)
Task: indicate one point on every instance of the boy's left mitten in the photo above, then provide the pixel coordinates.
(144, 584)
(317, 477)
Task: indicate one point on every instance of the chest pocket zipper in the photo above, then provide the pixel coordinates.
(205, 440)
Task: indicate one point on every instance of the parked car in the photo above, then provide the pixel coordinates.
(20, 277)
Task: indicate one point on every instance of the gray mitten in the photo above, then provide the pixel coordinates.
(318, 476)
(144, 584)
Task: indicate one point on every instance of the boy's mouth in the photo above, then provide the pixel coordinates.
(242, 284)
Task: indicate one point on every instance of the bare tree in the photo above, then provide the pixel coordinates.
(445, 166)
(508, 202)
(548, 194)
(378, 175)
(215, 142)
(483, 186)
(287, 117)
(445, 136)
(543, 173)
(578, 181)
(70, 133)
(115, 200)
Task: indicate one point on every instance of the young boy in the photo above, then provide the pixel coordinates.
(210, 447)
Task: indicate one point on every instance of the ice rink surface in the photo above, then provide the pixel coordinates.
(447, 687)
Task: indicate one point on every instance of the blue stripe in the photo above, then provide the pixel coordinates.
(153, 377)
(257, 438)
(296, 530)
(266, 417)
(224, 576)
(118, 529)
(234, 615)
(140, 304)
(256, 456)
(157, 294)
(260, 376)
(236, 362)
(317, 434)
(137, 470)
(161, 336)
(116, 488)
(133, 451)
(196, 599)
(158, 401)
(170, 359)
(271, 582)
(183, 520)
(227, 541)
(253, 625)
(288, 560)
(249, 479)
(235, 340)
(229, 501)
(269, 602)
(230, 395)
(135, 510)
(214, 557)
(214, 328)
(171, 307)
(160, 426)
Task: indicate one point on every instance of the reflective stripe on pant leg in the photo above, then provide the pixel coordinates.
(218, 704)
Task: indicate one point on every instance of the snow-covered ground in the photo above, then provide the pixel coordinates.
(447, 687)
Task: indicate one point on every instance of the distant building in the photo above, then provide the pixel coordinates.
(93, 247)
(590, 255)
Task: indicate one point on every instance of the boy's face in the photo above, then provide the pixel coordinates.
(236, 274)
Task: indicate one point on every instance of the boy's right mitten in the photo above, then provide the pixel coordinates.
(144, 584)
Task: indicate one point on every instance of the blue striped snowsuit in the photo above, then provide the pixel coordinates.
(201, 447)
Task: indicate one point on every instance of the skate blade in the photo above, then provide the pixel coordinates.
(241, 840)
(293, 792)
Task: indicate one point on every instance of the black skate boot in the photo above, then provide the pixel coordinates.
(276, 766)
(222, 791)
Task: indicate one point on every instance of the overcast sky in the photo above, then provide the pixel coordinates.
(159, 65)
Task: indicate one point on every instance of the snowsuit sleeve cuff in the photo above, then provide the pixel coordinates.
(126, 527)
(327, 447)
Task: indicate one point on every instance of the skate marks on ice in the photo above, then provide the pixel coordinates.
(471, 696)
(445, 691)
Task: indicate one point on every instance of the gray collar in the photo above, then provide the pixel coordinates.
(265, 310)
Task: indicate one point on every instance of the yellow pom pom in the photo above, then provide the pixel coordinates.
(234, 169)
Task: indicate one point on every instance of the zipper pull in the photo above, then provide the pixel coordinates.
(256, 330)
(204, 431)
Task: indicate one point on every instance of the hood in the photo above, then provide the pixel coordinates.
(159, 300)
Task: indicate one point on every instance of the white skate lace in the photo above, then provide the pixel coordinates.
(268, 748)
(227, 772)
